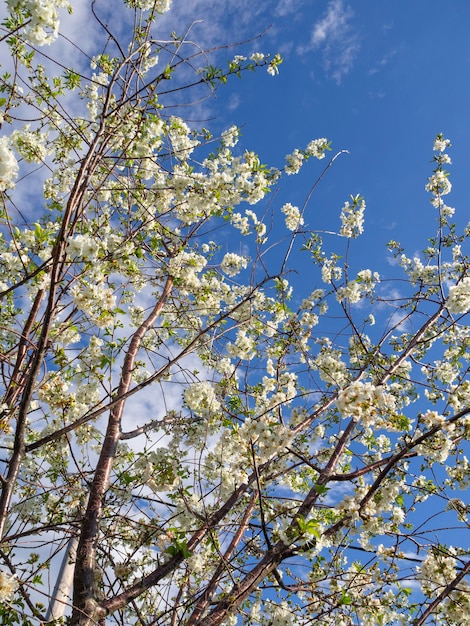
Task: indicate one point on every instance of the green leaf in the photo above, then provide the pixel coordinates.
(345, 598)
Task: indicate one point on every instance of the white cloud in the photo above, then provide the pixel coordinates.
(385, 60)
(234, 102)
(284, 7)
(335, 36)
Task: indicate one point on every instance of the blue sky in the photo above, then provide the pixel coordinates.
(379, 79)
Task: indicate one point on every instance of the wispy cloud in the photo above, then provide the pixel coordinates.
(284, 7)
(336, 37)
(381, 63)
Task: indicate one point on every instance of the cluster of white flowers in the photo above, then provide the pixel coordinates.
(54, 391)
(418, 272)
(229, 137)
(185, 267)
(267, 434)
(309, 318)
(273, 66)
(440, 144)
(312, 300)
(438, 447)
(159, 469)
(446, 211)
(212, 293)
(243, 224)
(437, 571)
(330, 367)
(92, 93)
(179, 134)
(160, 6)
(330, 271)
(146, 142)
(460, 395)
(365, 402)
(82, 246)
(238, 59)
(356, 504)
(444, 371)
(243, 347)
(8, 586)
(356, 289)
(137, 314)
(458, 300)
(30, 145)
(42, 26)
(279, 614)
(284, 388)
(64, 334)
(95, 300)
(460, 472)
(351, 504)
(8, 165)
(294, 162)
(317, 147)
(148, 57)
(93, 354)
(439, 183)
(196, 563)
(233, 263)
(201, 399)
(57, 393)
(432, 418)
(232, 455)
(352, 219)
(293, 217)
(228, 180)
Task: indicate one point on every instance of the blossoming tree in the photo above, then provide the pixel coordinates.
(194, 439)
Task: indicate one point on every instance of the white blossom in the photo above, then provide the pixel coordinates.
(294, 162)
(365, 402)
(30, 145)
(201, 399)
(233, 263)
(230, 137)
(42, 25)
(352, 219)
(439, 183)
(363, 286)
(82, 246)
(330, 271)
(316, 148)
(440, 144)
(8, 165)
(8, 586)
(330, 367)
(160, 6)
(458, 300)
(293, 217)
